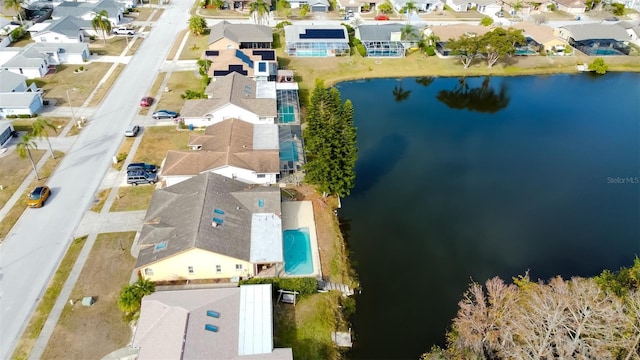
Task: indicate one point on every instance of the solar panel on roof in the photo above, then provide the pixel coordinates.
(212, 53)
(323, 34)
(265, 54)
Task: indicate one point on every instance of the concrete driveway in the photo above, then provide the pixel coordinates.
(31, 252)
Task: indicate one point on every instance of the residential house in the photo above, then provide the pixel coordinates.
(233, 96)
(575, 7)
(316, 40)
(421, 5)
(88, 10)
(633, 29)
(447, 32)
(596, 39)
(16, 98)
(510, 6)
(544, 36)
(488, 7)
(314, 5)
(387, 40)
(30, 62)
(259, 64)
(232, 148)
(66, 29)
(230, 323)
(226, 36)
(358, 6)
(62, 53)
(6, 130)
(458, 5)
(211, 227)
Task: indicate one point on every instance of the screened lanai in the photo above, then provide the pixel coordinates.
(288, 106)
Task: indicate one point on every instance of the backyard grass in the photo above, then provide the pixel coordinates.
(13, 181)
(177, 84)
(307, 326)
(133, 198)
(108, 269)
(115, 45)
(56, 85)
(32, 331)
(104, 88)
(14, 171)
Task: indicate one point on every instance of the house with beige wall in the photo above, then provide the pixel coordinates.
(543, 35)
(211, 227)
(227, 36)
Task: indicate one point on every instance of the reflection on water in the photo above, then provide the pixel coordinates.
(482, 98)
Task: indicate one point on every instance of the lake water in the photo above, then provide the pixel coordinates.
(468, 179)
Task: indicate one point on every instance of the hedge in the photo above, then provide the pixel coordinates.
(304, 286)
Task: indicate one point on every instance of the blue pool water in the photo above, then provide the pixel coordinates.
(605, 52)
(297, 252)
(311, 53)
(286, 114)
(288, 151)
(525, 52)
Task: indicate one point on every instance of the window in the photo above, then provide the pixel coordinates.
(261, 176)
(148, 272)
(238, 267)
(190, 270)
(218, 269)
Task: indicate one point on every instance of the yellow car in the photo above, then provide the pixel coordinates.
(38, 196)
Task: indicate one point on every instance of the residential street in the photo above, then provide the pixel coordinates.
(30, 253)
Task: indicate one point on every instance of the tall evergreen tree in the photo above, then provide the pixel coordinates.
(330, 142)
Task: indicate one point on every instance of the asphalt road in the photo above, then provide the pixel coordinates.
(31, 252)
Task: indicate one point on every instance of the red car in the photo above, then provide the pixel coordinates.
(146, 101)
(382, 17)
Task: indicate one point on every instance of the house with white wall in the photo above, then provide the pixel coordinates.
(62, 53)
(67, 29)
(232, 148)
(16, 98)
(6, 128)
(30, 63)
(233, 96)
(88, 10)
(211, 227)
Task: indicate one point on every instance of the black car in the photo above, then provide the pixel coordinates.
(142, 166)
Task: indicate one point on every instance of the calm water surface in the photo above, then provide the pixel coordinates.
(461, 180)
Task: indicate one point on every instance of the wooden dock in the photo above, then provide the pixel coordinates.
(330, 286)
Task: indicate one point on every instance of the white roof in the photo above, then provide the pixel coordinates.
(265, 90)
(255, 335)
(17, 100)
(265, 137)
(10, 80)
(39, 27)
(266, 238)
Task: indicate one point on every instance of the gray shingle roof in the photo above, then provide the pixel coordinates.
(26, 60)
(78, 9)
(18, 100)
(229, 142)
(240, 32)
(69, 48)
(380, 32)
(68, 26)
(597, 31)
(234, 89)
(181, 216)
(10, 80)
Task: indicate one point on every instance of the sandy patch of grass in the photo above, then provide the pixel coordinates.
(157, 140)
(115, 45)
(176, 44)
(178, 83)
(14, 171)
(16, 179)
(132, 198)
(101, 197)
(106, 86)
(55, 86)
(157, 15)
(32, 331)
(123, 152)
(194, 47)
(26, 124)
(107, 270)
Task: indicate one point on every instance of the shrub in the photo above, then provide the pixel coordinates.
(486, 21)
(122, 156)
(25, 116)
(430, 50)
(361, 50)
(282, 24)
(304, 286)
(81, 68)
(11, 116)
(193, 94)
(92, 37)
(599, 66)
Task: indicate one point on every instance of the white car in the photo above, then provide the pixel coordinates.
(132, 131)
(124, 31)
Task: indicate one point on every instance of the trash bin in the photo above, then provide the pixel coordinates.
(190, 127)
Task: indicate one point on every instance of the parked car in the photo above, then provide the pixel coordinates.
(132, 131)
(165, 114)
(500, 14)
(123, 31)
(141, 177)
(142, 166)
(382, 17)
(146, 101)
(38, 196)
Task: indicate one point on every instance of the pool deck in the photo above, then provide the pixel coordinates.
(299, 214)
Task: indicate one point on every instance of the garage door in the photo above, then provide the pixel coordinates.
(318, 9)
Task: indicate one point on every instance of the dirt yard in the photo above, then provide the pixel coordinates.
(95, 331)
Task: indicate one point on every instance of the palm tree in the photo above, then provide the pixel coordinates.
(408, 9)
(15, 5)
(425, 80)
(40, 129)
(399, 93)
(259, 11)
(101, 21)
(24, 147)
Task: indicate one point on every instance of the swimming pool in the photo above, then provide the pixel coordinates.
(297, 252)
(288, 151)
(286, 114)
